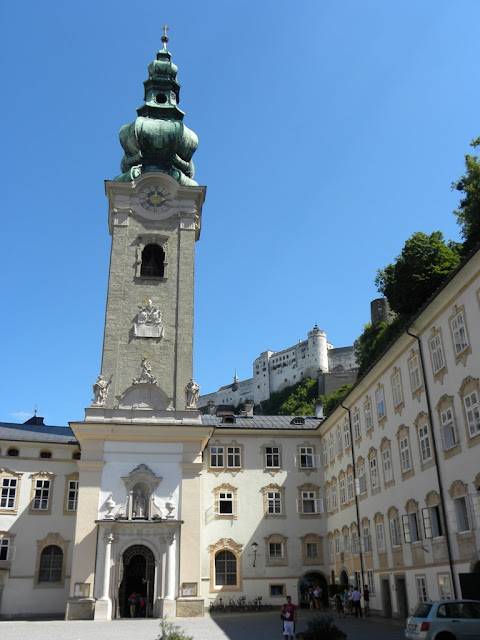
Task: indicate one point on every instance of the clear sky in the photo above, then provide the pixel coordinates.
(329, 133)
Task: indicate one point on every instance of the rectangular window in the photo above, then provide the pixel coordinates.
(272, 457)
(9, 492)
(338, 438)
(380, 536)
(337, 545)
(356, 425)
(459, 333)
(309, 503)
(463, 514)
(387, 465)
(330, 547)
(350, 487)
(311, 549)
(234, 458)
(436, 349)
(414, 370)
(395, 532)
(368, 415)
(216, 457)
(306, 458)
(355, 547)
(448, 431)
(345, 542)
(380, 404)
(274, 503)
(343, 493)
(72, 497)
(425, 448)
(397, 389)
(444, 586)
(473, 413)
(432, 523)
(422, 595)
(370, 582)
(405, 455)
(334, 496)
(410, 527)
(357, 582)
(367, 541)
(4, 548)
(225, 503)
(362, 487)
(275, 550)
(277, 590)
(42, 495)
(346, 435)
(325, 453)
(330, 448)
(374, 472)
(327, 493)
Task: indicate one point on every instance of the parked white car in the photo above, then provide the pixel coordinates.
(445, 620)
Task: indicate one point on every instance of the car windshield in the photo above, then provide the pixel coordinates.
(422, 610)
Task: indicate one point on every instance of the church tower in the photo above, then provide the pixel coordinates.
(138, 524)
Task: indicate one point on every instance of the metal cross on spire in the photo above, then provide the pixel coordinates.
(165, 37)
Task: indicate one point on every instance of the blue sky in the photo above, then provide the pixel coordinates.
(329, 133)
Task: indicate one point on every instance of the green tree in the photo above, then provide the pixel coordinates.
(374, 340)
(468, 213)
(422, 266)
(330, 402)
(297, 400)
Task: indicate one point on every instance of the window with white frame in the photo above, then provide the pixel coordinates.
(330, 448)
(362, 486)
(234, 457)
(459, 333)
(275, 550)
(473, 413)
(272, 457)
(311, 549)
(330, 547)
(41, 495)
(217, 456)
(463, 513)
(397, 389)
(414, 371)
(367, 541)
(225, 502)
(338, 439)
(274, 503)
(395, 532)
(410, 527)
(380, 403)
(350, 487)
(387, 465)
(327, 494)
(380, 536)
(355, 547)
(334, 496)
(447, 429)
(325, 453)
(72, 495)
(425, 446)
(356, 425)
(5, 549)
(309, 504)
(306, 458)
(346, 435)
(436, 350)
(444, 586)
(345, 542)
(9, 493)
(432, 522)
(374, 472)
(367, 408)
(422, 595)
(343, 492)
(370, 582)
(405, 455)
(337, 545)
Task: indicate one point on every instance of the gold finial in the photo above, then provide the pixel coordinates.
(165, 37)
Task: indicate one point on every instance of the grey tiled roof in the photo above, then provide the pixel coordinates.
(36, 433)
(261, 422)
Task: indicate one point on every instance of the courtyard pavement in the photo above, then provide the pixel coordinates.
(251, 626)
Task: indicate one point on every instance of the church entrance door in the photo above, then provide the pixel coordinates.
(136, 576)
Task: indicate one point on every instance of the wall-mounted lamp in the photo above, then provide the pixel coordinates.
(254, 549)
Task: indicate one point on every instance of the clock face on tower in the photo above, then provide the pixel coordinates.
(155, 199)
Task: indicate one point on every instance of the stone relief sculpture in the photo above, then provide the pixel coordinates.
(145, 374)
(149, 321)
(192, 390)
(100, 390)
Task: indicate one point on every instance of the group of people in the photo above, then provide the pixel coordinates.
(349, 603)
(314, 597)
(137, 605)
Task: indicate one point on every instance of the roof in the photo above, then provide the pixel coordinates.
(36, 433)
(262, 422)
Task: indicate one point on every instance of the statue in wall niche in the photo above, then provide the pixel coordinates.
(139, 504)
(145, 374)
(192, 390)
(100, 390)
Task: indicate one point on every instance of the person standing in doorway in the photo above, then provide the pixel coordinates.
(289, 617)
(132, 603)
(356, 597)
(366, 600)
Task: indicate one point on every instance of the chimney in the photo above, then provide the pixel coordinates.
(249, 409)
(318, 409)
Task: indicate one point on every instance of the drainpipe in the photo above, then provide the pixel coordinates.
(355, 492)
(437, 461)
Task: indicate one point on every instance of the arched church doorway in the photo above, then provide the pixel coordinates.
(344, 577)
(312, 579)
(137, 571)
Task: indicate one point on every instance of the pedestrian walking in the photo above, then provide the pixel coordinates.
(356, 597)
(289, 617)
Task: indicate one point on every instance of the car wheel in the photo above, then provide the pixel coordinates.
(445, 636)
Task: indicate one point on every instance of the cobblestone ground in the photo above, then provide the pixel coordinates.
(245, 626)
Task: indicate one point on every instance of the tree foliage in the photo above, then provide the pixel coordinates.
(468, 213)
(422, 266)
(330, 402)
(374, 340)
(297, 400)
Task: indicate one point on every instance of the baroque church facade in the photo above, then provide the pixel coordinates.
(149, 494)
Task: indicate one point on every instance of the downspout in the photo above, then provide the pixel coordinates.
(437, 461)
(355, 492)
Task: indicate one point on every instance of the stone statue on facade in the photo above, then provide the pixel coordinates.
(139, 504)
(149, 321)
(145, 374)
(192, 390)
(100, 390)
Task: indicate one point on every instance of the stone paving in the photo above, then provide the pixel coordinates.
(251, 626)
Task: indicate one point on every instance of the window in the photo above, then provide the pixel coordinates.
(362, 487)
(380, 404)
(327, 493)
(311, 549)
(410, 527)
(343, 492)
(422, 595)
(227, 458)
(425, 448)
(272, 457)
(330, 447)
(234, 457)
(459, 333)
(380, 536)
(275, 550)
(432, 523)
(346, 435)
(414, 371)
(274, 503)
(45, 454)
(355, 547)
(72, 495)
(76, 455)
(337, 545)
(366, 539)
(463, 514)
(370, 582)
(306, 458)
(325, 453)
(225, 568)
(216, 456)
(405, 455)
(436, 350)
(334, 496)
(13, 452)
(447, 429)
(225, 503)
(6, 550)
(367, 408)
(374, 472)
(444, 586)
(51, 564)
(473, 413)
(153, 259)
(395, 532)
(397, 389)
(41, 496)
(338, 439)
(387, 465)
(309, 503)
(356, 425)
(9, 493)
(350, 487)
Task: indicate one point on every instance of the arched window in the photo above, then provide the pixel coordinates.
(225, 568)
(153, 258)
(51, 564)
(13, 452)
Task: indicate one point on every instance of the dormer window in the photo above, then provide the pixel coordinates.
(153, 259)
(228, 420)
(298, 420)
